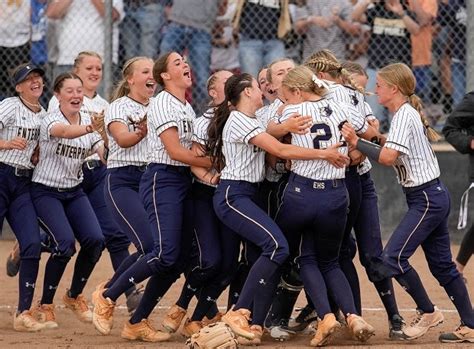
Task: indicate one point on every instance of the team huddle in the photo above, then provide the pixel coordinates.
(266, 200)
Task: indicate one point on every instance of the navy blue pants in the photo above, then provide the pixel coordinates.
(313, 216)
(16, 205)
(123, 201)
(235, 205)
(116, 241)
(67, 216)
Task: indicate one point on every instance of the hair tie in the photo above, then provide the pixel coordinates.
(410, 95)
(318, 82)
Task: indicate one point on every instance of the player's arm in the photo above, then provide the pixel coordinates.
(177, 152)
(288, 151)
(125, 138)
(206, 175)
(15, 143)
(100, 7)
(67, 131)
(295, 124)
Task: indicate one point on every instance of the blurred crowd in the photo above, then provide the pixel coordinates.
(245, 35)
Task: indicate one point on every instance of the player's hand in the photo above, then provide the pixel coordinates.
(16, 143)
(141, 128)
(335, 158)
(298, 124)
(375, 123)
(215, 179)
(35, 156)
(349, 134)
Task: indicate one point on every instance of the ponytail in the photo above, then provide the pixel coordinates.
(214, 143)
(122, 89)
(416, 103)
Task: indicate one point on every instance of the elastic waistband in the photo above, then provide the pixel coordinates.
(318, 185)
(18, 172)
(408, 190)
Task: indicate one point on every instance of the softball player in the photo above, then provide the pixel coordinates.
(212, 238)
(408, 150)
(165, 191)
(363, 210)
(66, 139)
(322, 226)
(237, 141)
(88, 66)
(20, 119)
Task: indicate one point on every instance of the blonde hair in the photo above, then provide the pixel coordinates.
(80, 57)
(269, 68)
(325, 61)
(303, 78)
(122, 88)
(401, 76)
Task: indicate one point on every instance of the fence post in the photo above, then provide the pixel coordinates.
(107, 59)
(470, 47)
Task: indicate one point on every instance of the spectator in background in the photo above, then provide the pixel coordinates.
(261, 24)
(421, 45)
(326, 24)
(224, 44)
(39, 48)
(392, 24)
(190, 27)
(140, 30)
(80, 27)
(15, 34)
(455, 18)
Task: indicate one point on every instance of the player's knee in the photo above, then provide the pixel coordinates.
(30, 250)
(444, 271)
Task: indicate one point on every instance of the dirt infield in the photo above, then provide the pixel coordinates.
(74, 334)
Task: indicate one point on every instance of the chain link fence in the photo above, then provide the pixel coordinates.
(244, 35)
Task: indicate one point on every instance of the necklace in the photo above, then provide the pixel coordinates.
(35, 106)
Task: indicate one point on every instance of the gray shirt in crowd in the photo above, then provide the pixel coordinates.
(199, 14)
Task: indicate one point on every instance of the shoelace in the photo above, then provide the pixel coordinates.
(416, 320)
(105, 310)
(81, 303)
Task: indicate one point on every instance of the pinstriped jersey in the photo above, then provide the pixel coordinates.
(327, 116)
(201, 125)
(126, 111)
(270, 113)
(349, 96)
(200, 135)
(17, 120)
(89, 105)
(167, 111)
(417, 164)
(369, 114)
(243, 160)
(60, 159)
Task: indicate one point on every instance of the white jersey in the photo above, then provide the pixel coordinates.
(126, 111)
(350, 97)
(327, 116)
(60, 159)
(200, 135)
(167, 111)
(89, 106)
(243, 161)
(270, 113)
(17, 120)
(417, 163)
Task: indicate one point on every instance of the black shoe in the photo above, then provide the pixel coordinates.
(306, 316)
(460, 335)
(395, 326)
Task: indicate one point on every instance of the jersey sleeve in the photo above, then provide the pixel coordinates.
(245, 128)
(356, 119)
(200, 130)
(53, 104)
(369, 114)
(115, 112)
(162, 115)
(288, 112)
(398, 135)
(7, 113)
(46, 124)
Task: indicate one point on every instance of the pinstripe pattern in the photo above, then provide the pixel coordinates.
(244, 161)
(417, 163)
(16, 120)
(89, 105)
(126, 111)
(200, 126)
(324, 133)
(167, 111)
(60, 159)
(270, 114)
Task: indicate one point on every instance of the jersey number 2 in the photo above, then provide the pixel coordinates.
(325, 135)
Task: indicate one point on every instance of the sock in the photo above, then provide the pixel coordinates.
(350, 272)
(27, 280)
(155, 289)
(126, 263)
(411, 282)
(459, 295)
(259, 275)
(83, 268)
(138, 272)
(52, 275)
(117, 257)
(262, 303)
(387, 296)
